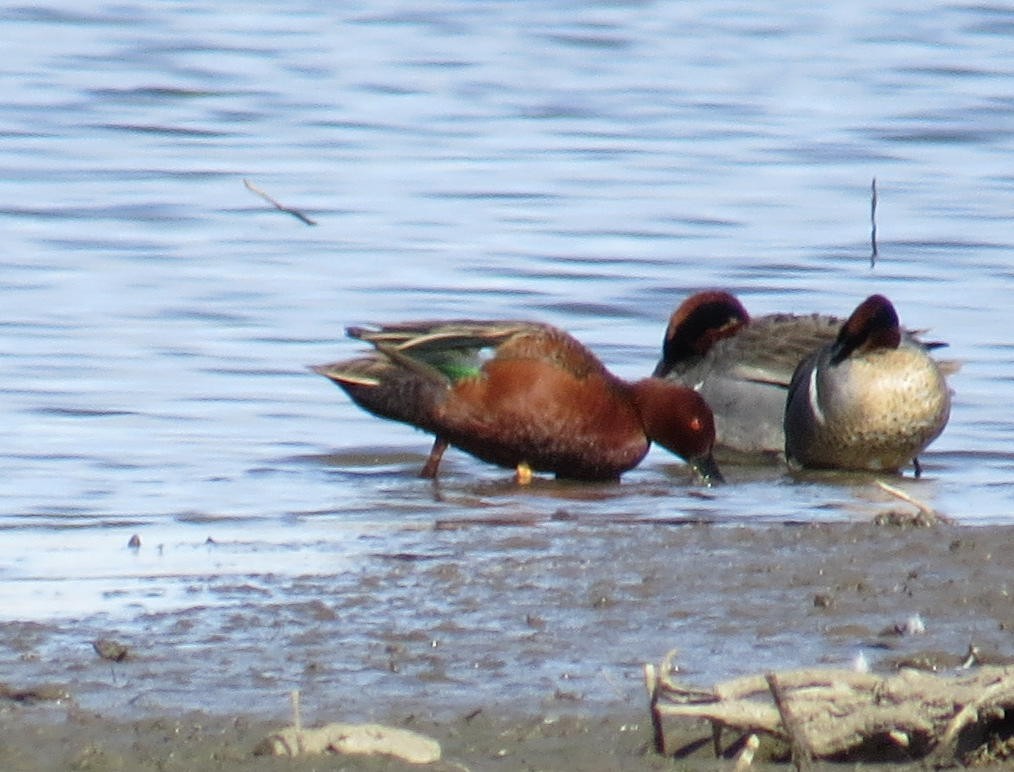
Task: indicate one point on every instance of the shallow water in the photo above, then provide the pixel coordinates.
(587, 164)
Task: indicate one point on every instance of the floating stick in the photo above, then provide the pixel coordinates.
(294, 212)
(873, 223)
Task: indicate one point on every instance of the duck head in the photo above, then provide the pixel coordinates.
(694, 327)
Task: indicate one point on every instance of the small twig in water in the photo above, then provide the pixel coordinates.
(294, 212)
(898, 493)
(931, 514)
(873, 223)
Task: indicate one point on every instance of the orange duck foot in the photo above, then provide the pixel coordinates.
(523, 474)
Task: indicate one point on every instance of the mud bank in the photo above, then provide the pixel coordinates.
(517, 647)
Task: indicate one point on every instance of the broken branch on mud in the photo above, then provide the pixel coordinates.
(821, 713)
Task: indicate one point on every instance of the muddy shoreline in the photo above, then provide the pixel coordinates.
(732, 599)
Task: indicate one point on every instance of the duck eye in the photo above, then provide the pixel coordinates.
(695, 424)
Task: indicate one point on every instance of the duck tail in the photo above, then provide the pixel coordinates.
(384, 387)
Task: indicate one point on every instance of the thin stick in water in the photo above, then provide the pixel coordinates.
(873, 223)
(926, 509)
(288, 210)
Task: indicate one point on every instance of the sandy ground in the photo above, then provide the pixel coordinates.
(842, 580)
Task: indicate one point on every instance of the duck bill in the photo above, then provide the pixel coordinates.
(707, 469)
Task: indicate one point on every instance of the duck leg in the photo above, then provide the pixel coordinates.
(429, 470)
(523, 474)
(918, 467)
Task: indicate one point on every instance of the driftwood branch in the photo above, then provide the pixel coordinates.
(745, 757)
(841, 714)
(802, 753)
(351, 739)
(288, 210)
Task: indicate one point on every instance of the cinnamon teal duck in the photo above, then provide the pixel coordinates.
(524, 396)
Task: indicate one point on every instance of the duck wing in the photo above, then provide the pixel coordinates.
(769, 349)
(458, 349)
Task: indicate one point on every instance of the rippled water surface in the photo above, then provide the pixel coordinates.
(586, 164)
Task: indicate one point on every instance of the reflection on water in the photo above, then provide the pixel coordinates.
(584, 164)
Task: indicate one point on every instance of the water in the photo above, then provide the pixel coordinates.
(586, 164)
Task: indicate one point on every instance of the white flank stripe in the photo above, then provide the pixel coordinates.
(815, 398)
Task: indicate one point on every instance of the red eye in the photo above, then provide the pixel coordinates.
(695, 424)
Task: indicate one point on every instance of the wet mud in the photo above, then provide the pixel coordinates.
(517, 646)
